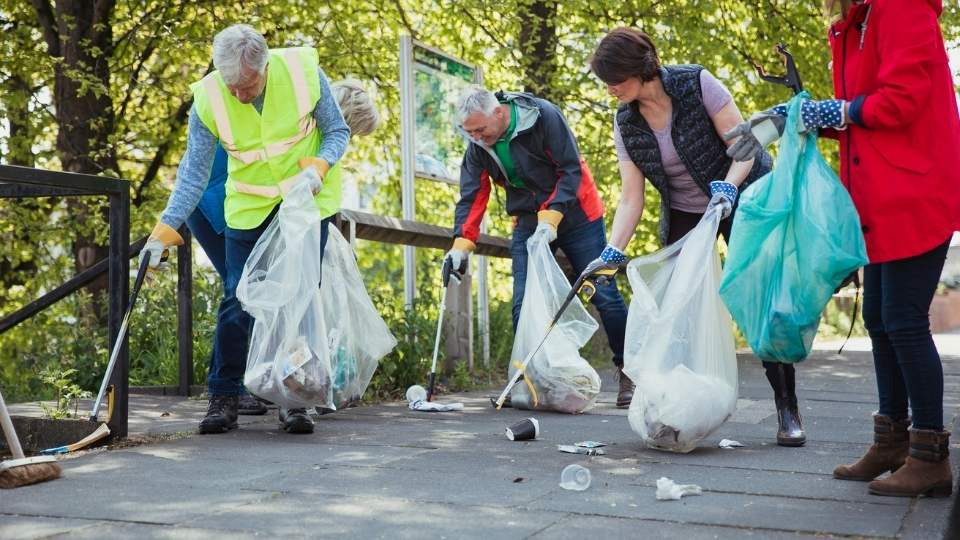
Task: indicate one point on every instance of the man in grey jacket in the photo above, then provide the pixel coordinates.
(523, 144)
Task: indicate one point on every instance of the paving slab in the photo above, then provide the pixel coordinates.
(383, 471)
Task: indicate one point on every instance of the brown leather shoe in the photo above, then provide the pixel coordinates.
(926, 471)
(625, 394)
(890, 444)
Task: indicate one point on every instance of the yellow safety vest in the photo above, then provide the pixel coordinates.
(263, 148)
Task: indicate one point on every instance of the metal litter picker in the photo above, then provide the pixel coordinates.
(587, 285)
(447, 273)
(103, 430)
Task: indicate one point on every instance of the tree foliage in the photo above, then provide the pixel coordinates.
(102, 86)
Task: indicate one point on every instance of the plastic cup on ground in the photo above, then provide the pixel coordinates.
(524, 430)
(416, 393)
(575, 478)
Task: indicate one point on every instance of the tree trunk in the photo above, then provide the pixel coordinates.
(538, 47)
(79, 33)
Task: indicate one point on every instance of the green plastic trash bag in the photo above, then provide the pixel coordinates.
(795, 237)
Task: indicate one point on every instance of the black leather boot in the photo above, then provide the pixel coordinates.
(783, 380)
(221, 415)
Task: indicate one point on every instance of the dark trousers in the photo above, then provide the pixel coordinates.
(232, 335)
(581, 245)
(896, 307)
(212, 242)
(683, 222)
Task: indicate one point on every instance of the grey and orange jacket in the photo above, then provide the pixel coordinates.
(545, 156)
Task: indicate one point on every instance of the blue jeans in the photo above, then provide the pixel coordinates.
(896, 307)
(581, 245)
(232, 335)
(212, 242)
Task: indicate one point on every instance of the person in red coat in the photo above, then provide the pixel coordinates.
(895, 115)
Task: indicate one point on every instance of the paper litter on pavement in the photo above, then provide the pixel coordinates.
(668, 490)
(571, 449)
(431, 406)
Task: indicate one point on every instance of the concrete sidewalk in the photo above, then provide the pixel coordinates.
(384, 471)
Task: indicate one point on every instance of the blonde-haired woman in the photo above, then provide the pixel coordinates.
(896, 118)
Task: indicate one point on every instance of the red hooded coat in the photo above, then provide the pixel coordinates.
(902, 163)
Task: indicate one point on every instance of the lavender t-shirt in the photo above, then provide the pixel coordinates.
(685, 194)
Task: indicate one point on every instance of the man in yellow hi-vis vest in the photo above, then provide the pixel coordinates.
(274, 114)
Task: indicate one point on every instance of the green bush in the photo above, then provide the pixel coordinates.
(65, 338)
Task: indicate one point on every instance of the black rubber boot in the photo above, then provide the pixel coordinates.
(295, 421)
(782, 378)
(221, 415)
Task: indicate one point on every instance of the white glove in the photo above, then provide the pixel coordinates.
(726, 207)
(551, 230)
(312, 178)
(459, 258)
(153, 249)
(162, 238)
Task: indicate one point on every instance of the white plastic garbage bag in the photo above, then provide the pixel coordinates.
(288, 362)
(679, 348)
(357, 336)
(557, 378)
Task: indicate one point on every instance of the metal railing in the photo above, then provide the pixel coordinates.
(24, 182)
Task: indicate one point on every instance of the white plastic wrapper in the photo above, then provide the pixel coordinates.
(288, 362)
(357, 337)
(560, 378)
(679, 348)
(668, 490)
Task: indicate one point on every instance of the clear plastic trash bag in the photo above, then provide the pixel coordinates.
(288, 362)
(795, 237)
(679, 348)
(557, 378)
(357, 336)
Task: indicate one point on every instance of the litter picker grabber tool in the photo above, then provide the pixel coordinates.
(447, 273)
(585, 284)
(791, 79)
(141, 275)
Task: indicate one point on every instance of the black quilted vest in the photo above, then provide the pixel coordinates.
(700, 148)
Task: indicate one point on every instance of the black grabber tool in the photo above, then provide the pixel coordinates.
(586, 285)
(447, 273)
(141, 275)
(791, 79)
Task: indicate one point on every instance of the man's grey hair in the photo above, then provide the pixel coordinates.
(359, 112)
(473, 100)
(237, 47)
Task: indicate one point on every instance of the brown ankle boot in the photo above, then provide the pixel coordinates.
(926, 470)
(889, 450)
(625, 394)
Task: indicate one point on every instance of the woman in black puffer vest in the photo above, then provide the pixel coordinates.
(668, 129)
